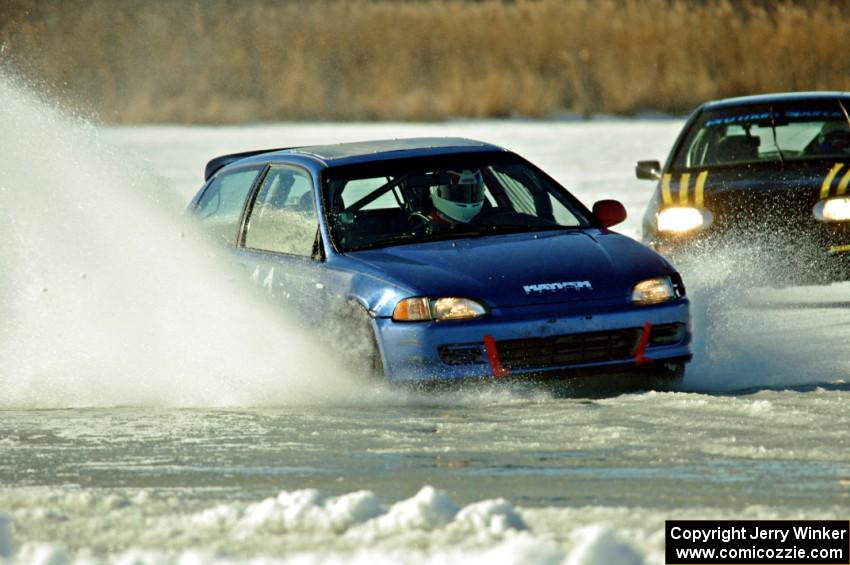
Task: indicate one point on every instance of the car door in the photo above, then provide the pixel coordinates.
(279, 243)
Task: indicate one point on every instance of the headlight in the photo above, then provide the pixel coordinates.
(438, 309)
(833, 210)
(681, 219)
(653, 291)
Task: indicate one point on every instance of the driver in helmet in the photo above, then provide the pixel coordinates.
(459, 201)
(833, 138)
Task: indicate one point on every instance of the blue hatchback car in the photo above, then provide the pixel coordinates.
(448, 259)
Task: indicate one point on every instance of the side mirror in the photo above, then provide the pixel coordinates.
(648, 170)
(609, 212)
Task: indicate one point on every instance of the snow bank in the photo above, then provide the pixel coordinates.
(429, 527)
(308, 510)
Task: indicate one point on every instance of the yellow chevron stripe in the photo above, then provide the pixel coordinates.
(683, 188)
(665, 190)
(827, 182)
(699, 188)
(842, 186)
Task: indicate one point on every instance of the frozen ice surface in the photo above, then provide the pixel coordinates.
(514, 477)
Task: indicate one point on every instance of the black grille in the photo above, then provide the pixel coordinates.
(570, 349)
(666, 334)
(461, 354)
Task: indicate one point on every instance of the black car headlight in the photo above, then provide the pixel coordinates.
(421, 308)
(656, 291)
(683, 219)
(833, 210)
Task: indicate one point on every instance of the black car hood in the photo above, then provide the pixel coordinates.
(763, 195)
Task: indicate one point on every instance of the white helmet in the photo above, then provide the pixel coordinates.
(462, 198)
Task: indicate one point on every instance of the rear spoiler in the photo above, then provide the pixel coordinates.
(215, 164)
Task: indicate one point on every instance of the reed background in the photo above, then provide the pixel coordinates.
(220, 61)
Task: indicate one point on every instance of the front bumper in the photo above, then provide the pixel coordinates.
(536, 341)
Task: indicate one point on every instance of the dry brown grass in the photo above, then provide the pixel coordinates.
(236, 61)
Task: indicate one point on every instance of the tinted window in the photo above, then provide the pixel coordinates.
(766, 133)
(283, 218)
(220, 207)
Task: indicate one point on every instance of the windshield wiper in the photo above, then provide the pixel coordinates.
(490, 229)
(398, 239)
(776, 143)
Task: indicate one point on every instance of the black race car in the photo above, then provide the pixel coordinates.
(763, 179)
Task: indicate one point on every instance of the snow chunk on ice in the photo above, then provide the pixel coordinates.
(353, 508)
(308, 510)
(522, 549)
(760, 407)
(221, 517)
(142, 557)
(429, 509)
(42, 554)
(599, 545)
(496, 516)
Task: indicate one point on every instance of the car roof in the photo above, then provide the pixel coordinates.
(380, 149)
(776, 98)
(355, 152)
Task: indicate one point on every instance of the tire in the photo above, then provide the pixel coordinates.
(360, 349)
(374, 368)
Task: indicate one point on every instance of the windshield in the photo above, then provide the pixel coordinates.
(778, 132)
(413, 200)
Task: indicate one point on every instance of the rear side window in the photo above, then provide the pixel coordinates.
(220, 207)
(283, 218)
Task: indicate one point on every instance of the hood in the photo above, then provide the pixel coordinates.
(520, 269)
(769, 194)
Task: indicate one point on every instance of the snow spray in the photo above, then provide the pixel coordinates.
(108, 298)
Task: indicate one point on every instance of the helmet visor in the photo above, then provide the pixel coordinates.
(463, 193)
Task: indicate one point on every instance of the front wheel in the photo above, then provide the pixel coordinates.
(360, 344)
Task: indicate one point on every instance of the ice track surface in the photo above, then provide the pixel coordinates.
(151, 413)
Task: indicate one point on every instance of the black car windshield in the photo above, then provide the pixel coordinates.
(777, 132)
(401, 201)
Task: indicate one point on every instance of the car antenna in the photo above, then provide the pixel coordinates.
(773, 129)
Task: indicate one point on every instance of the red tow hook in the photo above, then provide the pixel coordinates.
(640, 358)
(496, 368)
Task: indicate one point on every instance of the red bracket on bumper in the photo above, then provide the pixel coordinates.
(496, 368)
(640, 359)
